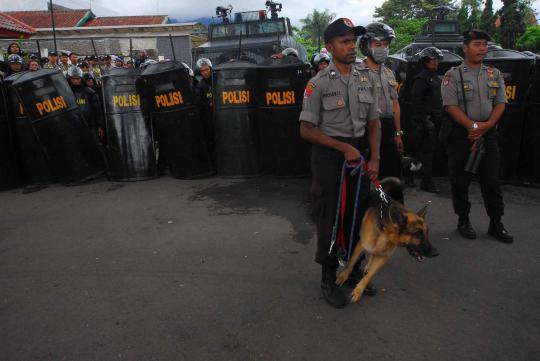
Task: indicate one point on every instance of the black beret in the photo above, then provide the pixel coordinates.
(340, 27)
(475, 34)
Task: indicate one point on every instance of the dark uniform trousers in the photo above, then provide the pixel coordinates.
(326, 165)
(390, 163)
(458, 148)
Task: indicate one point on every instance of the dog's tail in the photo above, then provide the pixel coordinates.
(392, 186)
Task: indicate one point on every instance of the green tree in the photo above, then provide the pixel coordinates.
(515, 16)
(406, 30)
(395, 10)
(487, 19)
(530, 39)
(302, 38)
(468, 16)
(315, 23)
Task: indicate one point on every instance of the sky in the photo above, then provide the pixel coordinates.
(359, 11)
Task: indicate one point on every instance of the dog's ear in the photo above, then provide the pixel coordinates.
(422, 213)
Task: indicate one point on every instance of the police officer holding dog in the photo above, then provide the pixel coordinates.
(474, 96)
(340, 118)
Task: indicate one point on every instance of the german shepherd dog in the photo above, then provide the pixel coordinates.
(385, 227)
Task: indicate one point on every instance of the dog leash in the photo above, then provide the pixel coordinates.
(338, 231)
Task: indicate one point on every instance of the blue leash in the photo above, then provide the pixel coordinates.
(353, 169)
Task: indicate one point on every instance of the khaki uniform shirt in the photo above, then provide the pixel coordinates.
(387, 88)
(340, 106)
(484, 88)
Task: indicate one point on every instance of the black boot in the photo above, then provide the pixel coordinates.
(355, 277)
(497, 230)
(332, 293)
(465, 227)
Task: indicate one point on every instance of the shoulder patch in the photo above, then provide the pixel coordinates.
(446, 79)
(309, 89)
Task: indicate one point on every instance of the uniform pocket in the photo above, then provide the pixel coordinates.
(366, 96)
(333, 103)
(467, 85)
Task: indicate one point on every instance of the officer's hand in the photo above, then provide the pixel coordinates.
(101, 133)
(399, 144)
(475, 134)
(373, 169)
(351, 154)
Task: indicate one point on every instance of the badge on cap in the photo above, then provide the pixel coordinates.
(348, 22)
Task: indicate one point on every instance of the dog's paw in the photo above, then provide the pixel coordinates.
(356, 294)
(342, 278)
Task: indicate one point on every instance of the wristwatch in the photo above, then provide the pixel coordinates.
(474, 125)
(399, 133)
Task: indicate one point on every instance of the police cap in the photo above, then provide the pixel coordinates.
(475, 34)
(53, 53)
(340, 27)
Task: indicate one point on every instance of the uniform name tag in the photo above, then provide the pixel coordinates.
(169, 99)
(280, 98)
(51, 105)
(236, 97)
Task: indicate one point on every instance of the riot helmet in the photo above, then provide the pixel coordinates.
(429, 53)
(202, 62)
(375, 31)
(74, 71)
(290, 51)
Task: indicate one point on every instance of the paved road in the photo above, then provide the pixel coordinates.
(222, 269)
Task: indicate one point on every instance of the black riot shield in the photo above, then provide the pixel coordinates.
(73, 152)
(281, 84)
(530, 151)
(516, 68)
(130, 144)
(9, 176)
(169, 98)
(235, 113)
(35, 171)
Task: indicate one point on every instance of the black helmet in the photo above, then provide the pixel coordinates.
(377, 31)
(430, 52)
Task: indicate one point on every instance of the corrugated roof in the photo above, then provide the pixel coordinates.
(42, 19)
(12, 24)
(127, 20)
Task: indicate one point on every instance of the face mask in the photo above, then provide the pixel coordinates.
(379, 55)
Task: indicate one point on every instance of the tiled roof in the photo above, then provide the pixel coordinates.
(42, 19)
(11, 24)
(127, 20)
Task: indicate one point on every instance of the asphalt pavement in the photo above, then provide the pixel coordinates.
(222, 269)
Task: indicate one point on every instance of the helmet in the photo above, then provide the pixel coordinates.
(202, 62)
(290, 51)
(74, 71)
(321, 57)
(430, 52)
(14, 59)
(375, 31)
(89, 75)
(190, 70)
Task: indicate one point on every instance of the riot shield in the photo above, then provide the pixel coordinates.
(8, 163)
(35, 169)
(169, 98)
(73, 152)
(235, 113)
(516, 68)
(130, 144)
(530, 152)
(281, 85)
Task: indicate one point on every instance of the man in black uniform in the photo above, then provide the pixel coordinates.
(203, 93)
(88, 101)
(474, 96)
(340, 117)
(426, 109)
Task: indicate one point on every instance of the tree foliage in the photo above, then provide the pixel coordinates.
(530, 39)
(487, 19)
(406, 30)
(394, 10)
(515, 16)
(302, 38)
(314, 25)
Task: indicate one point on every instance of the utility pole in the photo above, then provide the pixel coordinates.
(53, 27)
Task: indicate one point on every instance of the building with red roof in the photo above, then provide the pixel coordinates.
(13, 28)
(62, 18)
(127, 20)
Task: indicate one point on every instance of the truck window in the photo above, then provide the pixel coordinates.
(266, 27)
(228, 30)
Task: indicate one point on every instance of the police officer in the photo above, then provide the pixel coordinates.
(374, 45)
(205, 102)
(64, 62)
(53, 61)
(474, 96)
(340, 118)
(426, 109)
(94, 68)
(321, 61)
(15, 64)
(88, 102)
